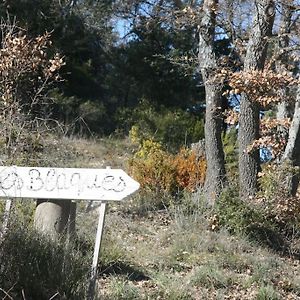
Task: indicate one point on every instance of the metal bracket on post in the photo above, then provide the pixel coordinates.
(92, 284)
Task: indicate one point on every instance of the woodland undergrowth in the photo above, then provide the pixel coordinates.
(161, 243)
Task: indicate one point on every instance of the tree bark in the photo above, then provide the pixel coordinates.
(51, 216)
(291, 155)
(249, 163)
(283, 109)
(215, 174)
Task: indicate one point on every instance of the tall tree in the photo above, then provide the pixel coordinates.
(249, 163)
(283, 110)
(291, 155)
(215, 174)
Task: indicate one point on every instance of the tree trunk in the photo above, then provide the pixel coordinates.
(249, 111)
(291, 155)
(283, 109)
(51, 216)
(215, 174)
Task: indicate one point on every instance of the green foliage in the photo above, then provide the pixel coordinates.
(122, 290)
(162, 174)
(172, 128)
(236, 215)
(211, 276)
(41, 267)
(231, 151)
(178, 128)
(110, 73)
(111, 254)
(147, 62)
(242, 217)
(267, 292)
(172, 288)
(23, 211)
(94, 115)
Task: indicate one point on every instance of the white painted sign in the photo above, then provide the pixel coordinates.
(66, 183)
(69, 183)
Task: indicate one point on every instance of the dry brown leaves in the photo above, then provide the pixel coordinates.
(261, 86)
(273, 136)
(27, 71)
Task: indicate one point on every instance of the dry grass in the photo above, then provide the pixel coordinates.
(86, 153)
(185, 260)
(172, 253)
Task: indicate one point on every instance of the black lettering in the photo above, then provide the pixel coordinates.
(50, 183)
(8, 181)
(36, 182)
(75, 181)
(61, 182)
(95, 184)
(110, 183)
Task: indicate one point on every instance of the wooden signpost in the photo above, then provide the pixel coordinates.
(69, 183)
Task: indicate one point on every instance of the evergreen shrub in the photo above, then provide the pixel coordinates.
(259, 218)
(173, 128)
(162, 173)
(238, 216)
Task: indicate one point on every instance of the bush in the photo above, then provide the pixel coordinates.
(237, 215)
(276, 201)
(39, 268)
(153, 168)
(190, 170)
(162, 173)
(94, 115)
(172, 128)
(246, 218)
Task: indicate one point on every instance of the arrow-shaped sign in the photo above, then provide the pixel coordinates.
(66, 183)
(69, 183)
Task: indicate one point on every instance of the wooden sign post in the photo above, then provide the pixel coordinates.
(69, 183)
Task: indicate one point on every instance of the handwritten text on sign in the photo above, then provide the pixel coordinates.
(66, 183)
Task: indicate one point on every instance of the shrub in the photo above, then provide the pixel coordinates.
(27, 74)
(237, 215)
(160, 172)
(275, 200)
(153, 168)
(40, 268)
(172, 128)
(190, 170)
(94, 115)
(246, 218)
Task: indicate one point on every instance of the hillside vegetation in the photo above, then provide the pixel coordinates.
(198, 101)
(171, 247)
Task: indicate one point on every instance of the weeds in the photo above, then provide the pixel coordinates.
(122, 289)
(39, 267)
(211, 276)
(267, 292)
(154, 248)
